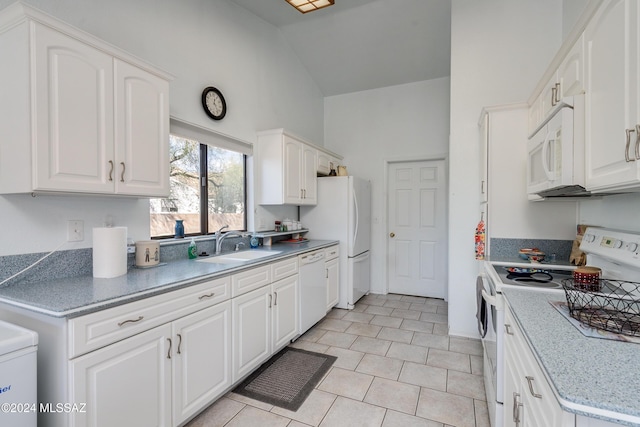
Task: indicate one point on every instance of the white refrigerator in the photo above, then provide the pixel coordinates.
(343, 213)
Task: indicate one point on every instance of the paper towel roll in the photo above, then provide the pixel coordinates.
(109, 252)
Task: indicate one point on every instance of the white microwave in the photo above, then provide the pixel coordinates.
(555, 153)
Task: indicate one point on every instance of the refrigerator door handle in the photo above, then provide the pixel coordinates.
(355, 228)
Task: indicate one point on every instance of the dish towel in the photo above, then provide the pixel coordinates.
(480, 240)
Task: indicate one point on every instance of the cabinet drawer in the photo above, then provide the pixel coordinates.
(285, 268)
(331, 252)
(95, 330)
(246, 281)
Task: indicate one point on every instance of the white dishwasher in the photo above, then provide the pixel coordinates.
(313, 289)
(18, 387)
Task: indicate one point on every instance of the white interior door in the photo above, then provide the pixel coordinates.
(417, 228)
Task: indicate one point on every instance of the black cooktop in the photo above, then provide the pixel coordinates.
(538, 277)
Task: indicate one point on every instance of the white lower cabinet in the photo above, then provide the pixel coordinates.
(202, 359)
(126, 383)
(284, 312)
(332, 268)
(251, 331)
(528, 397)
(160, 377)
(264, 320)
(160, 360)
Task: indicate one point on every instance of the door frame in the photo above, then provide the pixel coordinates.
(405, 159)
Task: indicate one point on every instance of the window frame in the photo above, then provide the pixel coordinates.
(204, 191)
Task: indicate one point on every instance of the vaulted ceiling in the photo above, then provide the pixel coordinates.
(358, 45)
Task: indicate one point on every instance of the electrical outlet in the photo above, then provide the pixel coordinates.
(75, 230)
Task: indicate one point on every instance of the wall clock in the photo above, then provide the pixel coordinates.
(213, 103)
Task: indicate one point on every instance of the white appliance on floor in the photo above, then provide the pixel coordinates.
(18, 378)
(313, 289)
(343, 213)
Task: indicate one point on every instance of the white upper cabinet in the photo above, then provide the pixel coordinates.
(566, 80)
(286, 169)
(612, 112)
(84, 116)
(74, 133)
(326, 163)
(571, 71)
(142, 131)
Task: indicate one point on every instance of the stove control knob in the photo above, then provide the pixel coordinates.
(618, 244)
(589, 238)
(632, 247)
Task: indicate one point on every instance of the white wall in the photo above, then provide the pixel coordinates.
(619, 212)
(202, 43)
(499, 50)
(369, 128)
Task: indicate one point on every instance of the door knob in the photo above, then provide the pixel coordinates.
(392, 235)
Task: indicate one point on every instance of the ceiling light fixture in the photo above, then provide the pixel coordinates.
(305, 6)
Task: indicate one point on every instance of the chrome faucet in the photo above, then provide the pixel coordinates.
(219, 232)
(220, 237)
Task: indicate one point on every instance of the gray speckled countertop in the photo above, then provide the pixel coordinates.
(591, 376)
(75, 296)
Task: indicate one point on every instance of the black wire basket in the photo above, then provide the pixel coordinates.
(611, 305)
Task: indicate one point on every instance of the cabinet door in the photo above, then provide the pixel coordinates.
(292, 152)
(202, 359)
(251, 331)
(333, 282)
(571, 71)
(484, 159)
(142, 132)
(611, 103)
(284, 311)
(125, 384)
(309, 176)
(512, 398)
(549, 96)
(73, 115)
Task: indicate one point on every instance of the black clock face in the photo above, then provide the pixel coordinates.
(214, 103)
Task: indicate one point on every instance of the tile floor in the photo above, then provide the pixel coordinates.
(396, 366)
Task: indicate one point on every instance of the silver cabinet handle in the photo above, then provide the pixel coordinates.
(626, 149)
(169, 352)
(179, 342)
(201, 297)
(111, 170)
(507, 329)
(533, 393)
(122, 174)
(515, 414)
(637, 142)
(270, 299)
(275, 298)
(557, 92)
(124, 322)
(554, 89)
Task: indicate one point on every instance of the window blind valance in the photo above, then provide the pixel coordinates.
(207, 136)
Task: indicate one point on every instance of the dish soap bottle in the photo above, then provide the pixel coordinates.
(193, 249)
(253, 242)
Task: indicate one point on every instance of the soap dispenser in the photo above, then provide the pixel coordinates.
(193, 249)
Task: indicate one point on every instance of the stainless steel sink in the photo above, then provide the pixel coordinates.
(236, 257)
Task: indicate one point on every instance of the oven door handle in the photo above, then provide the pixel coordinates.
(493, 300)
